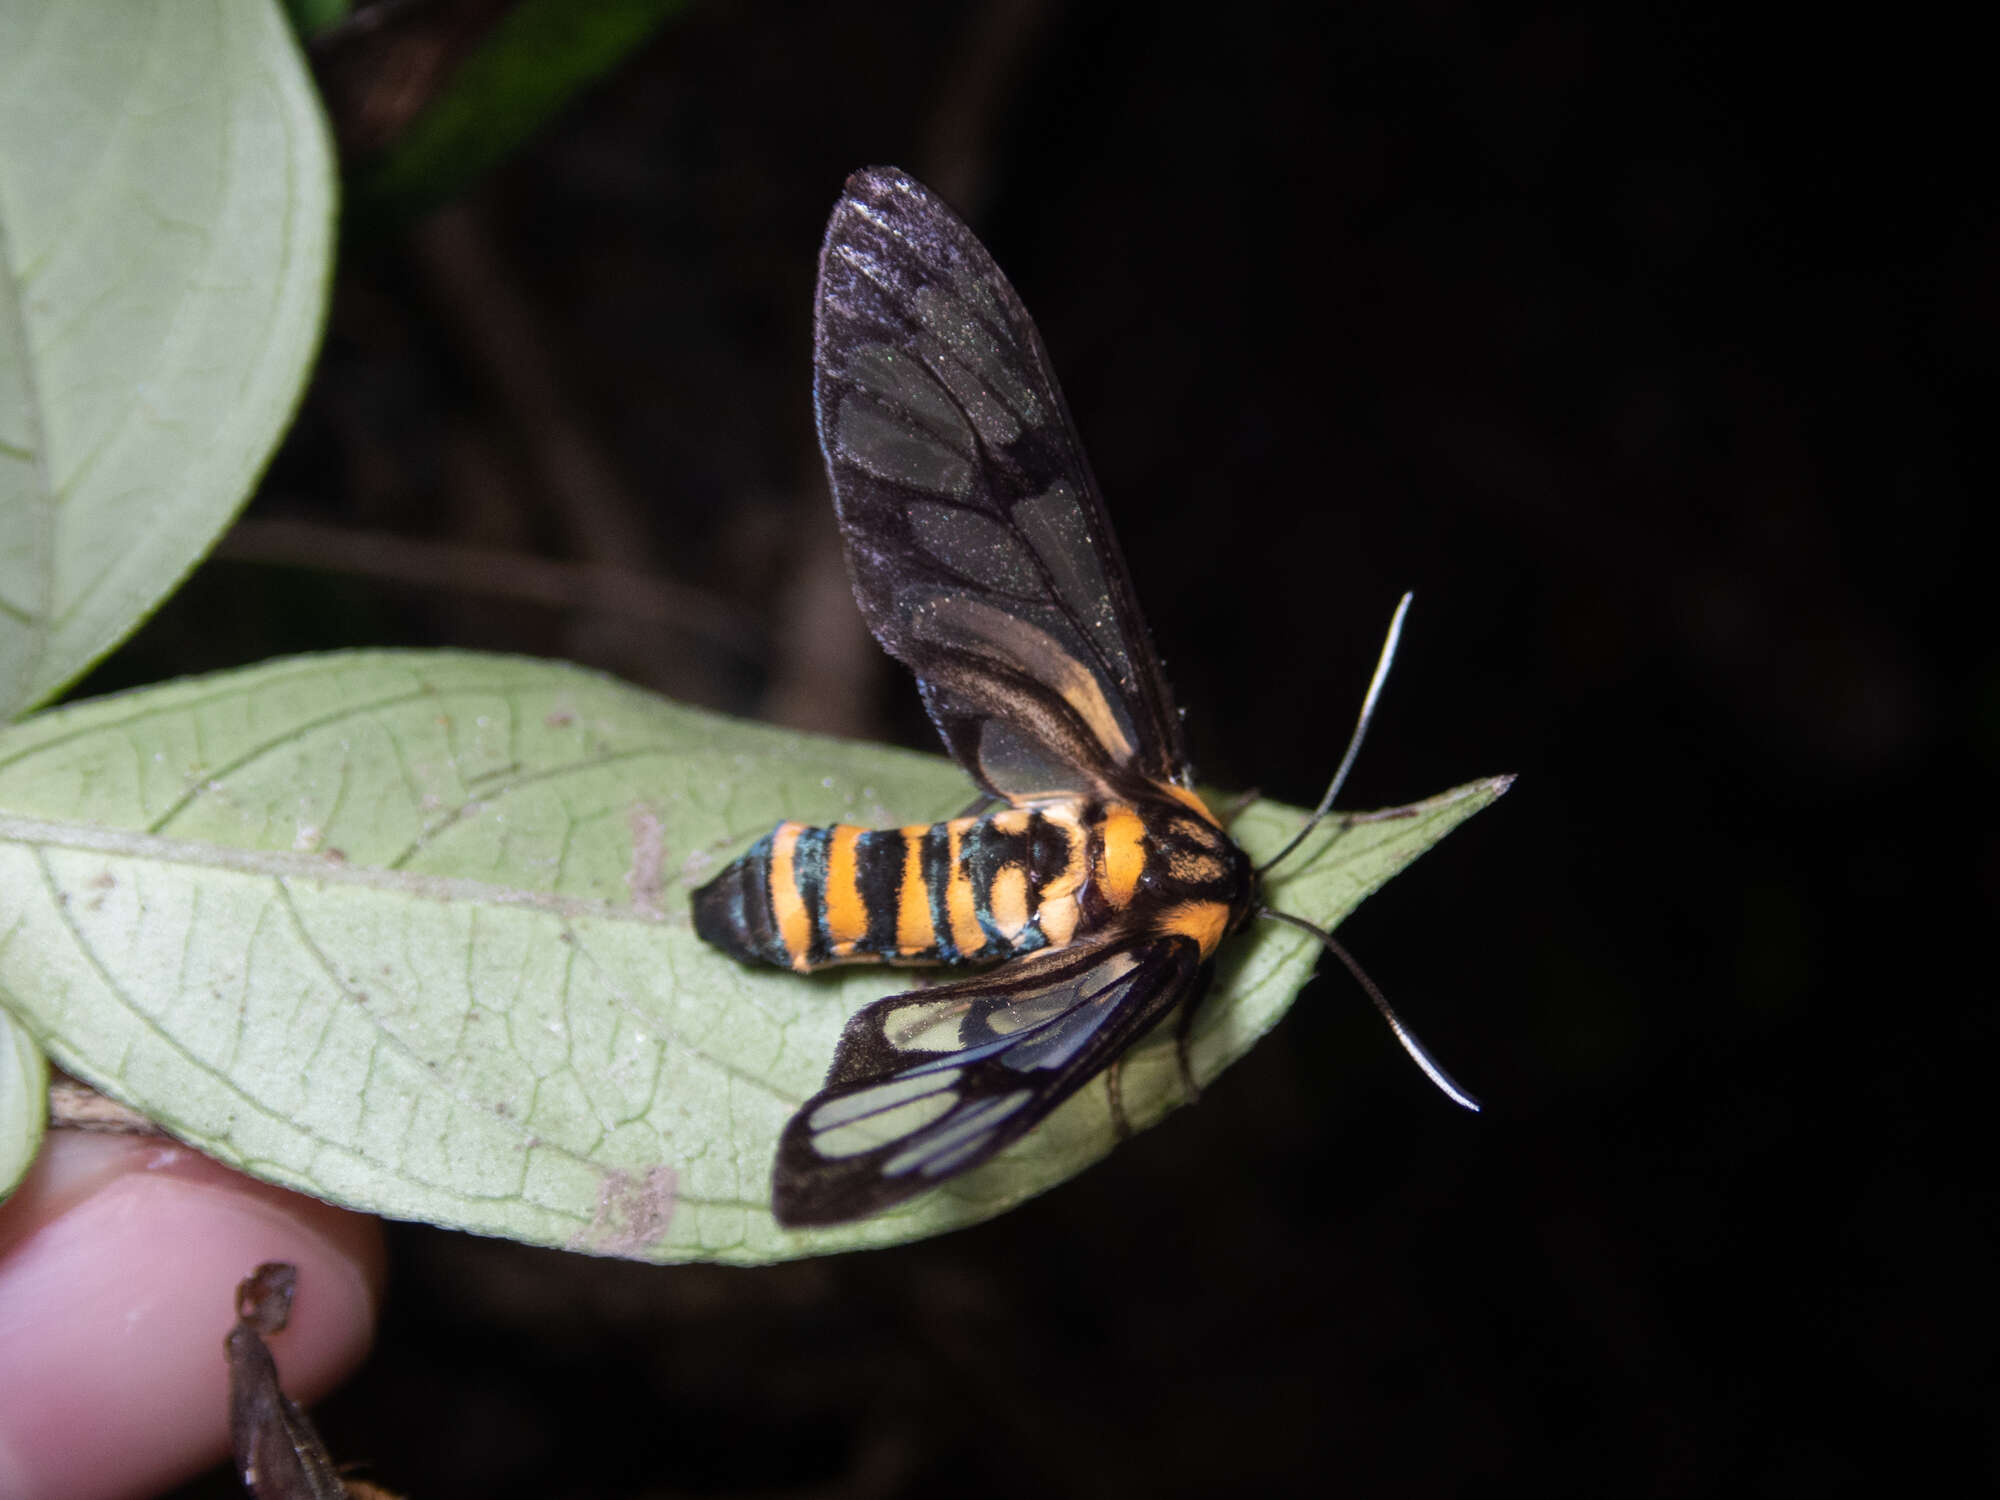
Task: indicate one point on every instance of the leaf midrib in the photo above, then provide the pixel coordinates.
(324, 869)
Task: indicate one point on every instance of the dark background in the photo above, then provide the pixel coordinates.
(1644, 348)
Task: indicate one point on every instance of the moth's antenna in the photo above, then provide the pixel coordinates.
(1418, 1054)
(1353, 749)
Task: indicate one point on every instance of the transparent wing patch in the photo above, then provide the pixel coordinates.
(929, 1083)
(980, 550)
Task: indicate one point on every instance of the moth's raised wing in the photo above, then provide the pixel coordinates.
(979, 547)
(928, 1084)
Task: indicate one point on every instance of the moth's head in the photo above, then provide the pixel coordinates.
(1198, 861)
(1252, 887)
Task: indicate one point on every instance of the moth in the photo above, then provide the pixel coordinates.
(1092, 877)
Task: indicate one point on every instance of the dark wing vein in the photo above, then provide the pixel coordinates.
(928, 1084)
(981, 555)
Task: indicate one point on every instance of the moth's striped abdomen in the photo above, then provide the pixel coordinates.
(965, 891)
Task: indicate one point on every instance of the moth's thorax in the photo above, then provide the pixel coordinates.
(1163, 864)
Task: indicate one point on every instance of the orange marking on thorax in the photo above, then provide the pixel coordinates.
(794, 922)
(1190, 800)
(916, 933)
(1204, 921)
(846, 915)
(1122, 855)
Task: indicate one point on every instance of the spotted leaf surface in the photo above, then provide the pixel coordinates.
(410, 932)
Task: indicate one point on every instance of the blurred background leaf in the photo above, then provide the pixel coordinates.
(166, 216)
(24, 1093)
(472, 83)
(310, 17)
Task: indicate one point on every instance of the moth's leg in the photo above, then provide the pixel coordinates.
(1183, 1040)
(1114, 1087)
(1234, 807)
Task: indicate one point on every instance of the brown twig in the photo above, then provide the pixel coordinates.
(510, 575)
(74, 1105)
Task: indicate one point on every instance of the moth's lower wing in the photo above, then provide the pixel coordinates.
(981, 555)
(928, 1084)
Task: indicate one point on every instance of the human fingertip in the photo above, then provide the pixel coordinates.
(117, 1287)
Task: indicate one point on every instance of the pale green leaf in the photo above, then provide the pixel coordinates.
(24, 1102)
(410, 932)
(166, 213)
